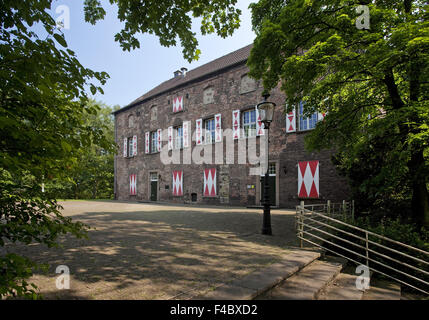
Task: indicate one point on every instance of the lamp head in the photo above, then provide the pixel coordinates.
(266, 109)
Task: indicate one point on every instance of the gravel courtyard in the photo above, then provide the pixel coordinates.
(149, 251)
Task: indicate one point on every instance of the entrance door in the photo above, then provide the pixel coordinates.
(272, 184)
(153, 186)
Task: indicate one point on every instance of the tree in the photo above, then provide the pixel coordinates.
(44, 104)
(42, 110)
(92, 176)
(371, 82)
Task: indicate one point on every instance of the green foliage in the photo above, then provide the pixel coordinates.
(396, 229)
(372, 84)
(13, 267)
(43, 112)
(169, 21)
(92, 175)
(51, 133)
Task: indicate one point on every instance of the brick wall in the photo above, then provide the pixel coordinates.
(234, 185)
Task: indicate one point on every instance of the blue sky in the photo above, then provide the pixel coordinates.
(136, 72)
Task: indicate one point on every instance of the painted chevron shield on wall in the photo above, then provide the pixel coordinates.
(209, 182)
(177, 183)
(308, 179)
(178, 104)
(133, 184)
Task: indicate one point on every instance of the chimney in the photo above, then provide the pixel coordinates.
(184, 70)
(177, 73)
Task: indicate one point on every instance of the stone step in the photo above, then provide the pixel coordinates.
(306, 284)
(256, 283)
(343, 287)
(382, 290)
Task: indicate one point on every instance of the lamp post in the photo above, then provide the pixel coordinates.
(266, 111)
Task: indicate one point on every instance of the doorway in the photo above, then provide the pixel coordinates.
(153, 186)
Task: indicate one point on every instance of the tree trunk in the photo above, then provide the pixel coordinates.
(420, 199)
(94, 190)
(416, 165)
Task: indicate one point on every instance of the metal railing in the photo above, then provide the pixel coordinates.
(327, 228)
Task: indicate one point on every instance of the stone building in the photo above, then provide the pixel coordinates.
(211, 109)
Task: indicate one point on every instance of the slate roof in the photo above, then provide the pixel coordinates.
(228, 60)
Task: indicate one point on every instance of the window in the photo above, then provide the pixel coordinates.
(131, 121)
(272, 169)
(178, 137)
(154, 142)
(130, 147)
(249, 123)
(153, 176)
(154, 113)
(306, 123)
(209, 125)
(247, 84)
(208, 95)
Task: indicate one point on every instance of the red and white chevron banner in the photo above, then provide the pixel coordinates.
(178, 104)
(209, 182)
(308, 179)
(159, 139)
(186, 130)
(133, 184)
(147, 145)
(177, 183)
(291, 121)
(199, 131)
(218, 128)
(236, 124)
(259, 125)
(134, 145)
(170, 138)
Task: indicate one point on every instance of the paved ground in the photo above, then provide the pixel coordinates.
(146, 251)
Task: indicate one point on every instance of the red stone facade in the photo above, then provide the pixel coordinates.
(219, 92)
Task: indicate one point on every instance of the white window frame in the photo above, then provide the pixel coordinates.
(153, 142)
(250, 124)
(178, 139)
(209, 134)
(306, 120)
(130, 147)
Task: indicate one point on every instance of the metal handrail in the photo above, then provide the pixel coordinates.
(370, 241)
(370, 233)
(356, 262)
(309, 221)
(370, 250)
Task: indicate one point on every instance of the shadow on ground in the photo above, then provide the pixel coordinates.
(160, 252)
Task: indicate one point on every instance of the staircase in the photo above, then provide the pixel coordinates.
(303, 275)
(329, 279)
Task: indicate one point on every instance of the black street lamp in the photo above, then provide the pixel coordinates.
(266, 111)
